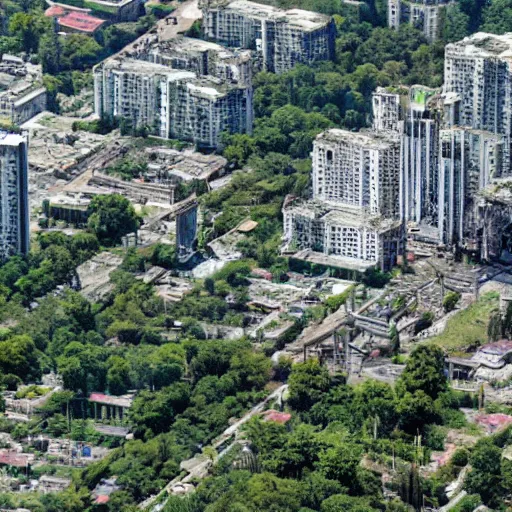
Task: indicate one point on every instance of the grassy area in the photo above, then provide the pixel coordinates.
(468, 329)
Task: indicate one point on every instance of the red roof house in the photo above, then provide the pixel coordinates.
(80, 22)
(55, 11)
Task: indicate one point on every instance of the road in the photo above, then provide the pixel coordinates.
(198, 466)
(185, 14)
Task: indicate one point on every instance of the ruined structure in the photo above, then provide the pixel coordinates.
(22, 94)
(478, 87)
(455, 148)
(427, 15)
(186, 231)
(357, 170)
(280, 38)
(352, 220)
(171, 103)
(112, 10)
(14, 217)
(202, 57)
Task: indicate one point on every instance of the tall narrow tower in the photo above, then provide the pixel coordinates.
(14, 210)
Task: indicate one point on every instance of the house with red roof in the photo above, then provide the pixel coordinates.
(73, 20)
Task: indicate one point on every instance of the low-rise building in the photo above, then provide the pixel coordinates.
(343, 237)
(22, 94)
(74, 20)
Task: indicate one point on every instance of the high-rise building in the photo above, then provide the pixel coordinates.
(352, 220)
(281, 39)
(478, 87)
(357, 170)
(14, 210)
(419, 176)
(469, 161)
(426, 15)
(172, 103)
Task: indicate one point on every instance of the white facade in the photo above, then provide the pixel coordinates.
(281, 38)
(478, 86)
(172, 103)
(357, 170)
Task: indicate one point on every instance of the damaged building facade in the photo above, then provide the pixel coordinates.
(14, 216)
(352, 220)
(172, 103)
(436, 161)
(455, 147)
(426, 15)
(281, 39)
(232, 65)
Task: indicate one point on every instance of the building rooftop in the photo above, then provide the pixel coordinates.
(342, 215)
(186, 165)
(482, 44)
(55, 10)
(306, 20)
(206, 87)
(500, 348)
(81, 21)
(18, 78)
(370, 140)
(11, 139)
(121, 401)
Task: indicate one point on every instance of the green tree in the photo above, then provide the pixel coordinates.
(118, 375)
(111, 217)
(424, 371)
(308, 381)
(485, 476)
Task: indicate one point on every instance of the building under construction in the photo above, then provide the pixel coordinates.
(281, 39)
(171, 103)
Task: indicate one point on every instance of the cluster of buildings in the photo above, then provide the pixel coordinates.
(195, 90)
(434, 165)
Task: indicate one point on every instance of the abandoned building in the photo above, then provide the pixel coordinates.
(426, 15)
(22, 94)
(477, 84)
(171, 103)
(352, 220)
(171, 165)
(14, 218)
(357, 170)
(186, 231)
(491, 362)
(281, 39)
(469, 160)
(204, 58)
(449, 158)
(115, 10)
